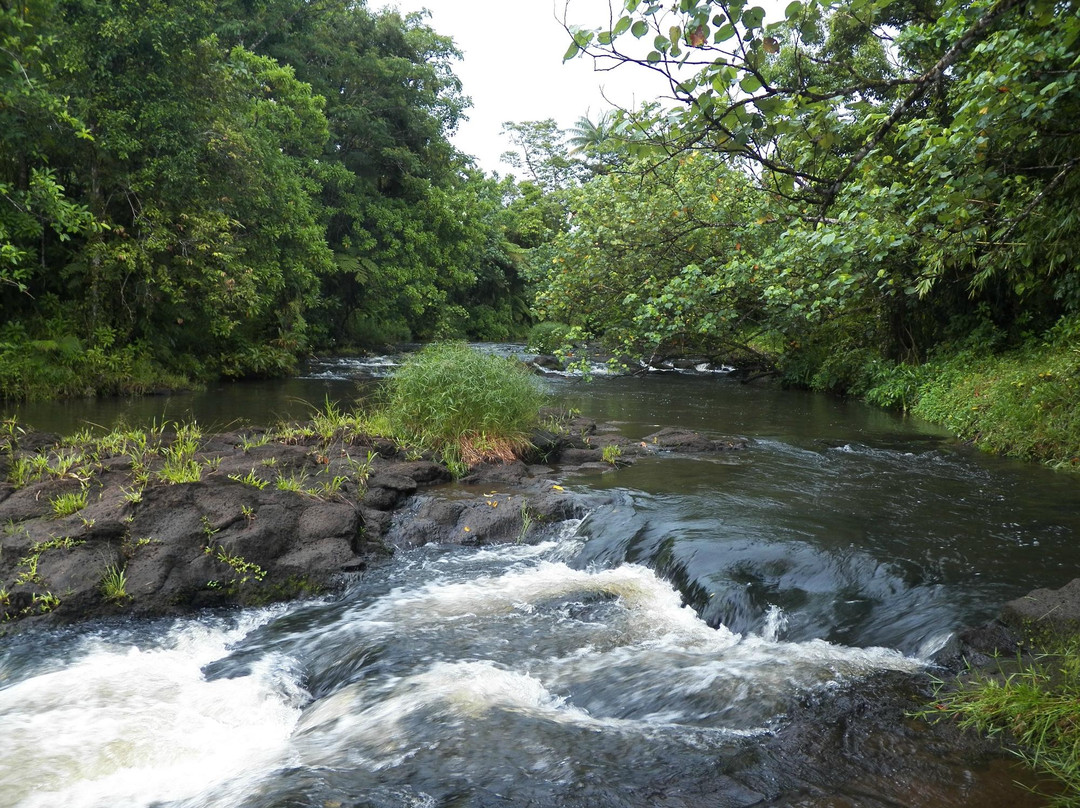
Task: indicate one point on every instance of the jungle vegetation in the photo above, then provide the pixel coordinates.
(193, 190)
(872, 197)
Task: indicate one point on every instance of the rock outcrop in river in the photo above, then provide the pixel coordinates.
(166, 523)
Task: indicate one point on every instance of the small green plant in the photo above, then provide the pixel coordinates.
(611, 454)
(180, 465)
(132, 495)
(208, 527)
(328, 490)
(69, 503)
(29, 574)
(526, 521)
(22, 472)
(361, 469)
(13, 528)
(249, 442)
(294, 482)
(248, 513)
(212, 463)
(114, 584)
(269, 462)
(45, 602)
(250, 479)
(10, 432)
(294, 433)
(243, 569)
(67, 464)
(88, 524)
(129, 547)
(29, 563)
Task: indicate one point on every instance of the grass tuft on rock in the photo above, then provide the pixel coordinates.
(462, 404)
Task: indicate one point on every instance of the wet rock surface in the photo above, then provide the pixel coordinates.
(269, 519)
(1045, 611)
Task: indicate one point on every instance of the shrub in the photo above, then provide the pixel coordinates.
(548, 337)
(465, 405)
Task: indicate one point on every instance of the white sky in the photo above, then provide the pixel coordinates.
(512, 68)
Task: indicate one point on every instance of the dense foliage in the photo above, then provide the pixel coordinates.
(869, 196)
(465, 405)
(198, 189)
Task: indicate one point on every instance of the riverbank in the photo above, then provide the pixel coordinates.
(1021, 401)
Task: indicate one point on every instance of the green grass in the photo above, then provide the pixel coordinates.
(463, 405)
(114, 584)
(1024, 404)
(67, 504)
(294, 482)
(1037, 708)
(179, 464)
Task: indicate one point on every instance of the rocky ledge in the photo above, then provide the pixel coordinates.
(251, 517)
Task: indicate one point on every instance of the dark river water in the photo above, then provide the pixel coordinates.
(626, 660)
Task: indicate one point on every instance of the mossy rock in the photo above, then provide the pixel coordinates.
(1045, 615)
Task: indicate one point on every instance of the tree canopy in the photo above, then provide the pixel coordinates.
(217, 188)
(914, 163)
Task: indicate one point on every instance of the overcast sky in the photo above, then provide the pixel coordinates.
(513, 70)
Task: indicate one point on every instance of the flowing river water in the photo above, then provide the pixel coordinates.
(648, 655)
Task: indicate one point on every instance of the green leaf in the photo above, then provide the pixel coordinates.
(793, 9)
(724, 33)
(653, 57)
(639, 29)
(750, 84)
(572, 51)
(753, 17)
(621, 27)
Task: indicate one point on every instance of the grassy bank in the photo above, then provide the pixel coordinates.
(1024, 403)
(1018, 398)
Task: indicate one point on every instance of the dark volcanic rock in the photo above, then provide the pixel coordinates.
(686, 441)
(466, 517)
(275, 519)
(546, 361)
(1045, 611)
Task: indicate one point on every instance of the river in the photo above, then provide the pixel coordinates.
(651, 654)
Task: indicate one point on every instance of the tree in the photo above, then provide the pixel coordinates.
(927, 153)
(660, 260)
(542, 152)
(36, 210)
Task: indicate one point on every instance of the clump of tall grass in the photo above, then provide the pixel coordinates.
(464, 405)
(114, 584)
(1037, 708)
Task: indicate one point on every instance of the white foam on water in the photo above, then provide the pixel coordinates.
(653, 606)
(130, 726)
(642, 663)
